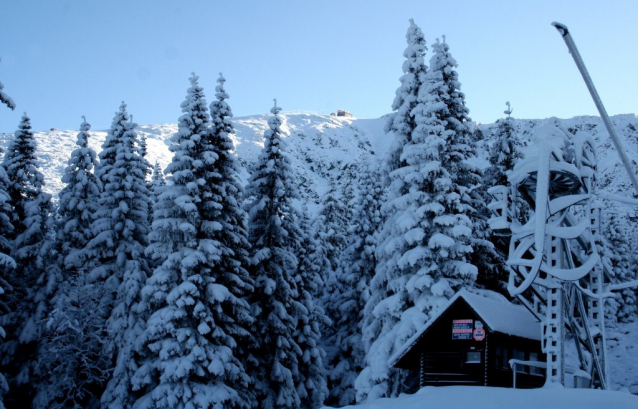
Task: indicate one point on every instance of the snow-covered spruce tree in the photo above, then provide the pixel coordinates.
(157, 181)
(70, 365)
(401, 122)
(504, 154)
(426, 244)
(275, 237)
(114, 254)
(332, 227)
(78, 200)
(33, 281)
(6, 100)
(6, 261)
(200, 320)
(489, 262)
(312, 383)
(356, 268)
(72, 368)
(7, 264)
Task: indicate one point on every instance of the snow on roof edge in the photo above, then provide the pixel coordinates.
(473, 300)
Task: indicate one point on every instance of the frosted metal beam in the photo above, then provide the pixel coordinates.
(564, 32)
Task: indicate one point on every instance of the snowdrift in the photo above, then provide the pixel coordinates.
(476, 397)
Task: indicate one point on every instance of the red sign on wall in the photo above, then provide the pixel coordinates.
(479, 334)
(462, 329)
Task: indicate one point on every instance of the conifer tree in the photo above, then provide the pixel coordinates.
(401, 122)
(199, 321)
(275, 237)
(504, 153)
(6, 261)
(6, 100)
(312, 382)
(356, 268)
(32, 281)
(78, 200)
(426, 245)
(70, 363)
(114, 255)
(7, 264)
(157, 181)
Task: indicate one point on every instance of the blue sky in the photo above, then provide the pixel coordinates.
(63, 59)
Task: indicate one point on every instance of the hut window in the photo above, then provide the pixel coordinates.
(533, 356)
(473, 357)
(520, 355)
(501, 358)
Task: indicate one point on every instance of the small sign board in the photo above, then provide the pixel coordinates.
(462, 329)
(479, 334)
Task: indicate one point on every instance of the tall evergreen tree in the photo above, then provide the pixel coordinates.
(114, 255)
(199, 324)
(426, 245)
(312, 383)
(356, 268)
(78, 200)
(504, 153)
(157, 181)
(275, 236)
(6, 100)
(70, 363)
(6, 261)
(401, 123)
(32, 281)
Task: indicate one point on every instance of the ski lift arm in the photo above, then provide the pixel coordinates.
(564, 32)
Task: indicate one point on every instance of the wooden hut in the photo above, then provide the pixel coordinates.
(472, 340)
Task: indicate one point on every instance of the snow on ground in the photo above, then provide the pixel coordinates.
(477, 397)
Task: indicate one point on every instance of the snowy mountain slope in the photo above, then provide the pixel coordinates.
(320, 146)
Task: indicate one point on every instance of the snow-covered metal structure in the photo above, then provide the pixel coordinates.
(554, 254)
(554, 260)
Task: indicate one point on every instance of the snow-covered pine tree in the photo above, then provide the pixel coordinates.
(6, 100)
(312, 383)
(504, 154)
(200, 320)
(72, 368)
(275, 237)
(356, 268)
(6, 261)
(70, 364)
(7, 264)
(33, 281)
(331, 226)
(157, 181)
(78, 200)
(114, 255)
(143, 152)
(425, 248)
(401, 122)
